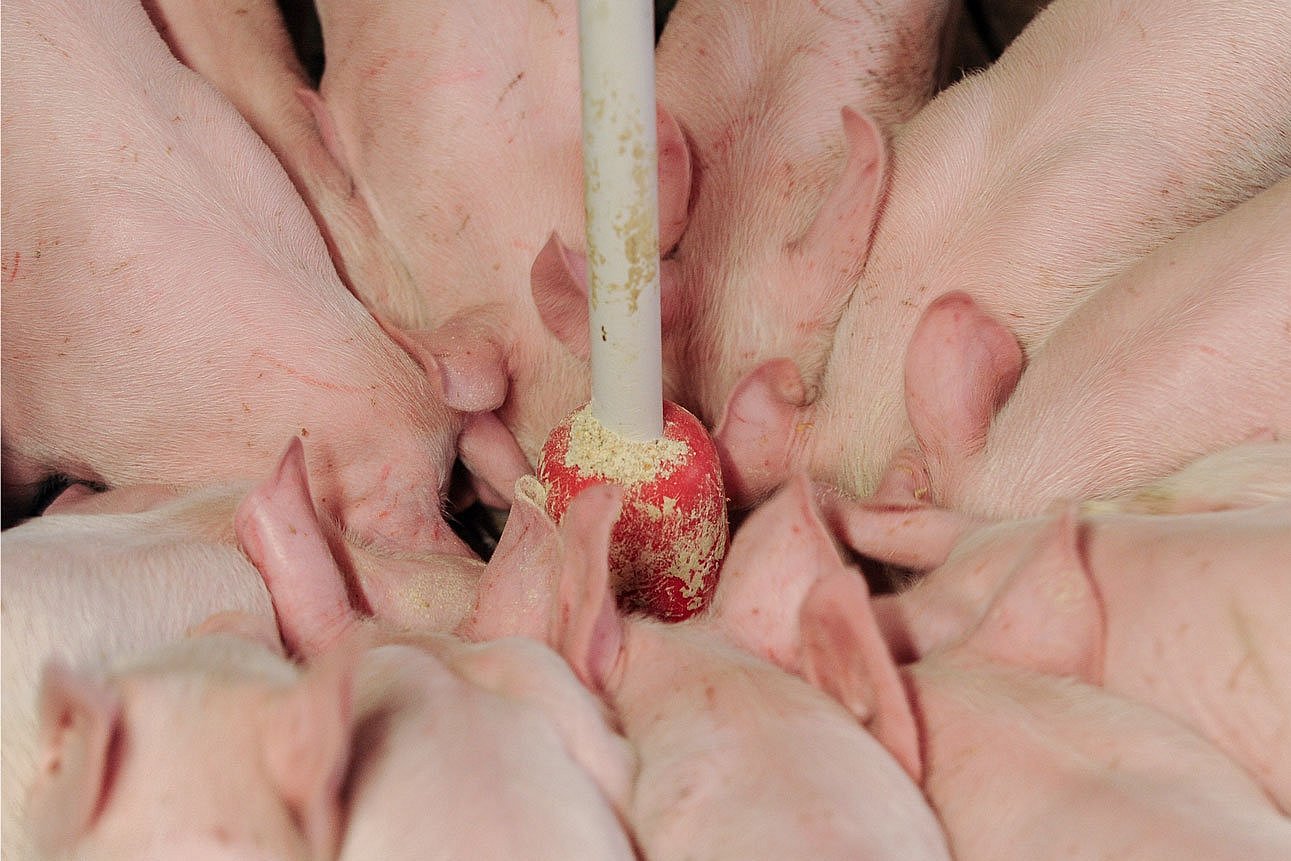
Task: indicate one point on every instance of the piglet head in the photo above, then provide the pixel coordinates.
(552, 583)
(768, 262)
(214, 746)
(468, 363)
(1017, 593)
(320, 581)
(787, 596)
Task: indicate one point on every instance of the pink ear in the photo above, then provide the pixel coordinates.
(307, 743)
(755, 433)
(588, 627)
(517, 593)
(492, 455)
(919, 538)
(674, 179)
(558, 282)
(78, 718)
(1047, 616)
(471, 363)
(845, 656)
(283, 537)
(961, 365)
(71, 496)
(839, 236)
(775, 557)
(326, 128)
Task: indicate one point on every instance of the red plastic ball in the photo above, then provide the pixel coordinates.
(670, 538)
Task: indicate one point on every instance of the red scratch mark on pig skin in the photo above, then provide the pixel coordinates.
(13, 273)
(303, 377)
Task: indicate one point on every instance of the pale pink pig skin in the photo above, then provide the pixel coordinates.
(245, 50)
(481, 771)
(170, 311)
(1022, 763)
(214, 747)
(1027, 187)
(94, 588)
(777, 226)
(1242, 476)
(738, 757)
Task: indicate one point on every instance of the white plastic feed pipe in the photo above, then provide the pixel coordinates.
(621, 200)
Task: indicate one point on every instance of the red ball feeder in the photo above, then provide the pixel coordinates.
(669, 540)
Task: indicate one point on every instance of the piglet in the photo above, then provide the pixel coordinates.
(1024, 764)
(1025, 190)
(214, 747)
(95, 588)
(201, 322)
(509, 720)
(785, 107)
(107, 576)
(1183, 612)
(738, 757)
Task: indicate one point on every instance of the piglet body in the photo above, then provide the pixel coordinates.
(475, 771)
(227, 329)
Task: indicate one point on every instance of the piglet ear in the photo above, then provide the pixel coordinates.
(919, 538)
(840, 235)
(588, 628)
(1047, 616)
(491, 454)
(306, 736)
(470, 361)
(845, 656)
(558, 282)
(78, 718)
(674, 179)
(961, 365)
(281, 534)
(777, 554)
(517, 593)
(754, 434)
